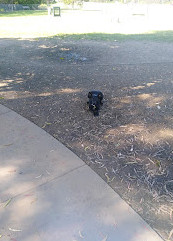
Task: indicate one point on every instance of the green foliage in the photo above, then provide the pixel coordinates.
(73, 2)
(68, 2)
(23, 2)
(22, 13)
(5, 1)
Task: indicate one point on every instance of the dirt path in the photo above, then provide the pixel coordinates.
(130, 145)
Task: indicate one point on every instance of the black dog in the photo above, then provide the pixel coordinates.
(95, 100)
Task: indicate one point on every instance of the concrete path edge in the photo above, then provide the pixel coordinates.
(48, 193)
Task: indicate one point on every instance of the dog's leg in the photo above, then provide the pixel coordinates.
(96, 113)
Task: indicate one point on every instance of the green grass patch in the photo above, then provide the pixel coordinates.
(165, 36)
(23, 13)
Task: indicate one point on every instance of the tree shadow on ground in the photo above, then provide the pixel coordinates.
(129, 145)
(60, 209)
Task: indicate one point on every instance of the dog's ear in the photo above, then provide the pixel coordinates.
(89, 95)
(100, 96)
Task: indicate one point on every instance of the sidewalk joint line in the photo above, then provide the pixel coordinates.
(49, 181)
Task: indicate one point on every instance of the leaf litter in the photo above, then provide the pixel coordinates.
(129, 144)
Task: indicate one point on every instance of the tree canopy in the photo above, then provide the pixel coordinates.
(24, 2)
(27, 1)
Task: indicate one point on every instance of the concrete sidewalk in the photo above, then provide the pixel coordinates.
(48, 194)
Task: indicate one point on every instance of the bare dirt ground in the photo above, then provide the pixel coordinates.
(130, 144)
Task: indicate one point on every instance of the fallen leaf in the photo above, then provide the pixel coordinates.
(8, 144)
(15, 230)
(38, 176)
(6, 204)
(86, 148)
(81, 236)
(105, 238)
(131, 149)
(48, 172)
(157, 162)
(108, 178)
(170, 234)
(46, 124)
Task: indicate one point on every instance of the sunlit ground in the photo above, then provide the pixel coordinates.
(118, 19)
(142, 103)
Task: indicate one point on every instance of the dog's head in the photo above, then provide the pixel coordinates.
(95, 98)
(95, 95)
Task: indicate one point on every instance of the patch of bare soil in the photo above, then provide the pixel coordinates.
(130, 144)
